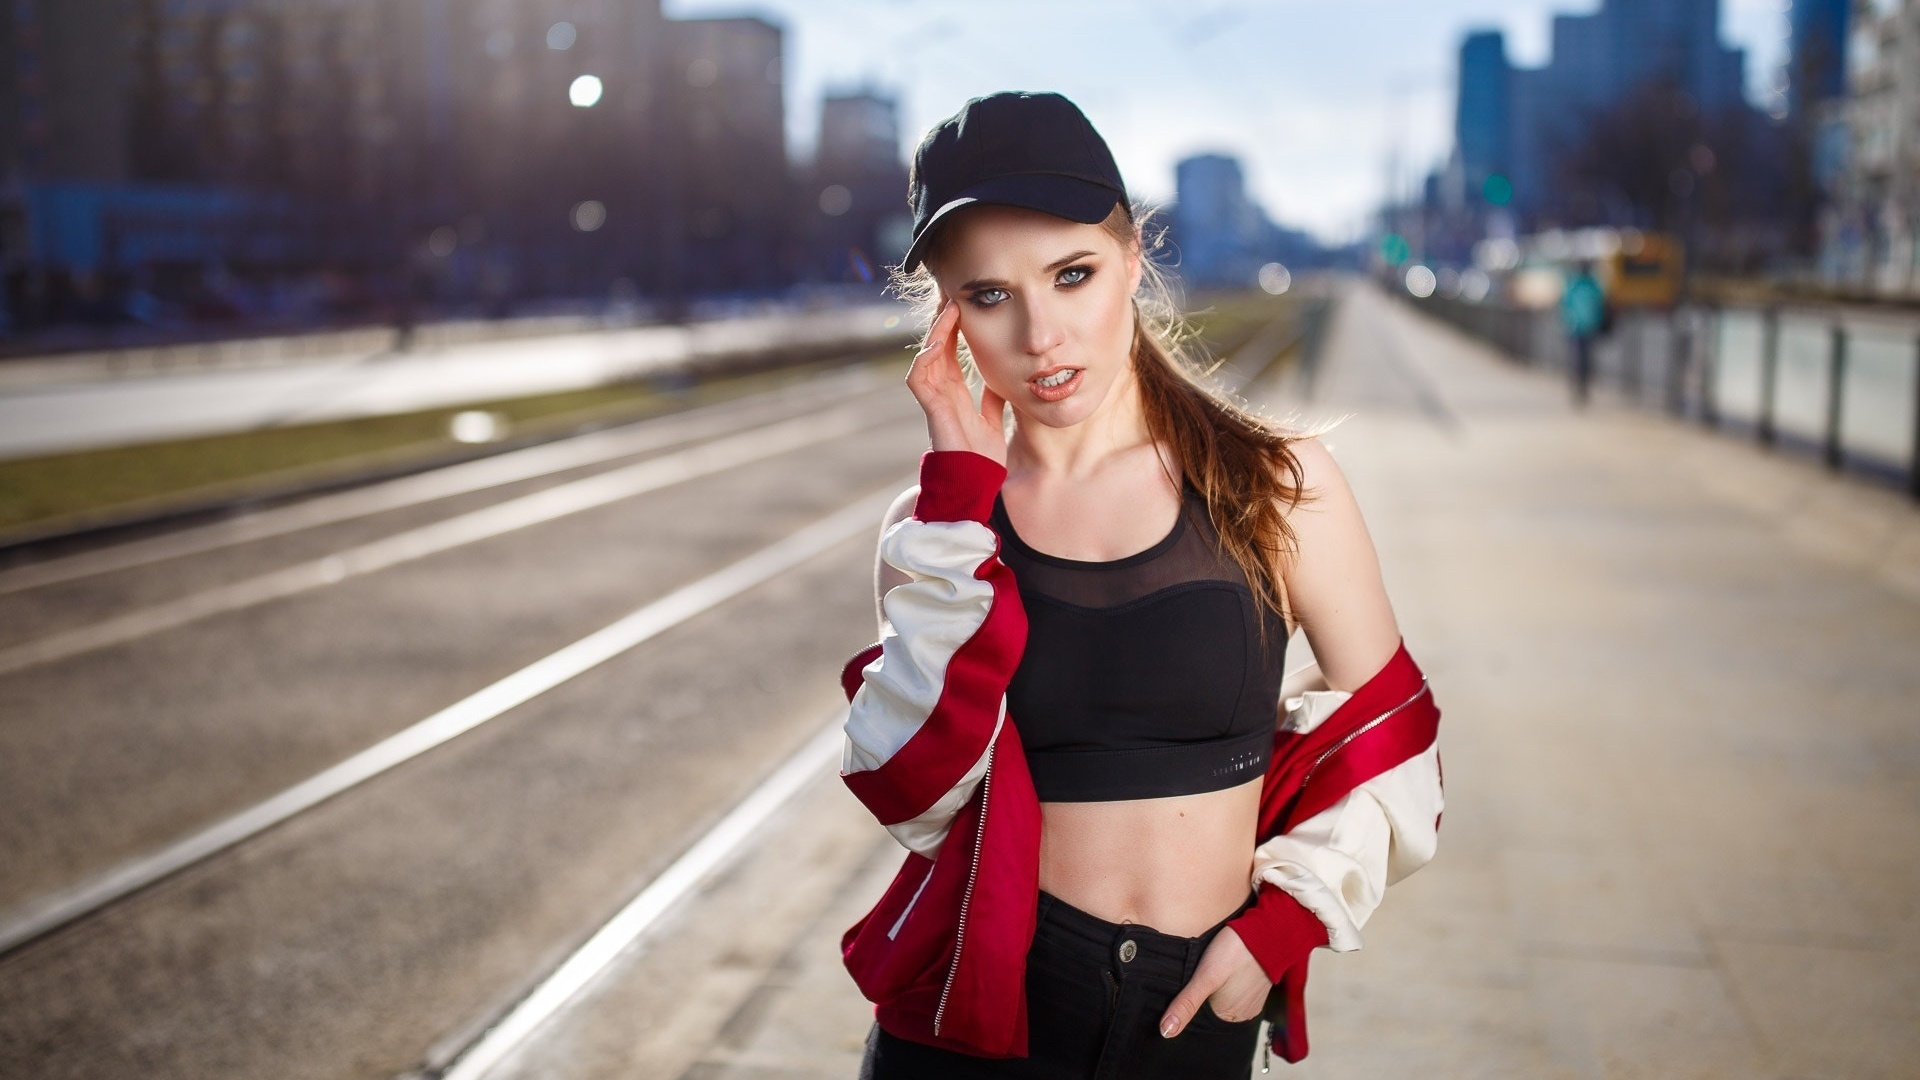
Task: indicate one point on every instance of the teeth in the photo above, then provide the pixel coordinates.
(1057, 377)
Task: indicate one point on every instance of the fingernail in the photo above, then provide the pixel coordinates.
(1166, 1028)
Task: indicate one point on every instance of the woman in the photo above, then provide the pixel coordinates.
(1121, 843)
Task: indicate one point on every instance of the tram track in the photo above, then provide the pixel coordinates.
(838, 412)
(43, 915)
(519, 513)
(110, 930)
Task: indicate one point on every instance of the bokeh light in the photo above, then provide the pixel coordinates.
(589, 215)
(835, 200)
(477, 426)
(585, 91)
(1420, 281)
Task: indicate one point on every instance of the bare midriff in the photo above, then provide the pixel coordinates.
(1178, 864)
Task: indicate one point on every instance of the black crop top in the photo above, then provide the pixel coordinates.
(1144, 676)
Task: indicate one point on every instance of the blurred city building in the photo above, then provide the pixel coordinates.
(1870, 173)
(1638, 120)
(1220, 235)
(854, 191)
(1817, 36)
(1516, 126)
(311, 160)
(725, 111)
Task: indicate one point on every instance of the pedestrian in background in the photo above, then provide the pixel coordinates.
(1127, 827)
(1583, 311)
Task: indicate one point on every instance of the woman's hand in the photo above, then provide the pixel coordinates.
(1229, 977)
(940, 387)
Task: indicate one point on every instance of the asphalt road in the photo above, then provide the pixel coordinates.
(349, 940)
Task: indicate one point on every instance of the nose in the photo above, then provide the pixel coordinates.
(1043, 329)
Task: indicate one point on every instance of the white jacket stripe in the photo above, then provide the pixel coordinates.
(928, 619)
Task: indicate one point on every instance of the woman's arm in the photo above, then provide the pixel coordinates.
(1338, 863)
(926, 701)
(1334, 581)
(1299, 681)
(1319, 882)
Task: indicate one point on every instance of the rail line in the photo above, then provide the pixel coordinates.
(499, 519)
(41, 916)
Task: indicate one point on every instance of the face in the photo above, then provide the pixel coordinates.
(1041, 298)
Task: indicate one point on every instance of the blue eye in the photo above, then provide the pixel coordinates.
(1085, 273)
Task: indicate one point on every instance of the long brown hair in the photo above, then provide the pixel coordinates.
(1233, 452)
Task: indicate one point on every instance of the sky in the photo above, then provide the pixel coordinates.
(1319, 99)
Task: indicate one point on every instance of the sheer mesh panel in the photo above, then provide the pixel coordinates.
(1185, 554)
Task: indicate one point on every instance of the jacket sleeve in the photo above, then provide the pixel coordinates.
(1320, 880)
(927, 700)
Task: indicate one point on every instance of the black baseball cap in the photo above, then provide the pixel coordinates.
(1014, 148)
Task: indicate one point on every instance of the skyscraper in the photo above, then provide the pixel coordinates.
(855, 192)
(1223, 238)
(1483, 122)
(63, 107)
(1533, 118)
(1817, 66)
(730, 223)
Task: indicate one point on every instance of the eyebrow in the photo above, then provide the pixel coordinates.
(1059, 264)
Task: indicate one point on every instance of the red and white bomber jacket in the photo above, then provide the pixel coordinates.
(1351, 801)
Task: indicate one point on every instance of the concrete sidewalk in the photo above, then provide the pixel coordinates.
(1679, 679)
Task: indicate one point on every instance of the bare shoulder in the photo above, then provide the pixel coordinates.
(1328, 510)
(1319, 469)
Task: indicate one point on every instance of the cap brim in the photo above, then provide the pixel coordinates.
(1054, 193)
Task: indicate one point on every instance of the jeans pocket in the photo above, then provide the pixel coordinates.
(1207, 1018)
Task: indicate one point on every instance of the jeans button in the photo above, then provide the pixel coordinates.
(1127, 950)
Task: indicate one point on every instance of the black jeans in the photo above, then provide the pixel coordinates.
(1095, 993)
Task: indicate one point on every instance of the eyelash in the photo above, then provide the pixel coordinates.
(1088, 276)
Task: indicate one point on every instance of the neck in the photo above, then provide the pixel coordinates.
(1080, 452)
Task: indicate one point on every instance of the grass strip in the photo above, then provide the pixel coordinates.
(72, 490)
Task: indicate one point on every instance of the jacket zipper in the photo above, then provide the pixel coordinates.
(1357, 732)
(973, 869)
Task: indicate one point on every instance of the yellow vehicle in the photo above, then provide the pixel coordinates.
(1642, 270)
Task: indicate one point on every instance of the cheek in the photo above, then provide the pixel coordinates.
(1111, 322)
(986, 341)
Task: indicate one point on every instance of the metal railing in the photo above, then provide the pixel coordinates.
(1839, 382)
